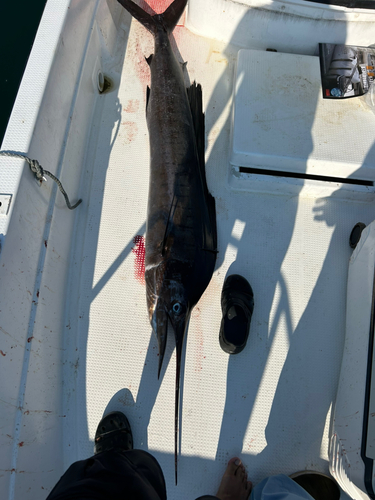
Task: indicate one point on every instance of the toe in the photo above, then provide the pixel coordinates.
(241, 472)
(249, 488)
(233, 465)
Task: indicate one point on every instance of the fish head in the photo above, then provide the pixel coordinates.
(168, 303)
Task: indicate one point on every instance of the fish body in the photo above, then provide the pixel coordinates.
(181, 239)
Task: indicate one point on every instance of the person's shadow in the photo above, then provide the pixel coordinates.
(288, 431)
(306, 389)
(260, 250)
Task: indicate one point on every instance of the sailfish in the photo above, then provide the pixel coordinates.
(181, 235)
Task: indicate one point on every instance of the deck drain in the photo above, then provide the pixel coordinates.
(104, 83)
(100, 82)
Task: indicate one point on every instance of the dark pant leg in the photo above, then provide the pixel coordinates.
(112, 475)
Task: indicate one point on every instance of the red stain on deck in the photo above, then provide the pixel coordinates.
(141, 66)
(158, 7)
(177, 37)
(130, 131)
(154, 6)
(132, 106)
(139, 264)
(143, 44)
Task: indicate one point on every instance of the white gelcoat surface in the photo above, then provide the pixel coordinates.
(76, 341)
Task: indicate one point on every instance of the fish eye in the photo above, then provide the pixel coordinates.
(176, 308)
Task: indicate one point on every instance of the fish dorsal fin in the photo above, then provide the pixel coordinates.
(194, 93)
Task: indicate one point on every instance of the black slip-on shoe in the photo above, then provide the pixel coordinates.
(237, 304)
(113, 433)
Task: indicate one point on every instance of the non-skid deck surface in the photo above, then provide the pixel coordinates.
(270, 404)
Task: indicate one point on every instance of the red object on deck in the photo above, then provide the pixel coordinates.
(158, 7)
(139, 264)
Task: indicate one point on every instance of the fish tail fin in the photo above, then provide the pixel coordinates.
(167, 20)
(172, 14)
(142, 16)
(177, 402)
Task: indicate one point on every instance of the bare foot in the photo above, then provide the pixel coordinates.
(234, 484)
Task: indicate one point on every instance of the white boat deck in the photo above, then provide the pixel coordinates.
(271, 404)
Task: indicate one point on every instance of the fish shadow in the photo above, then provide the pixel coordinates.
(149, 386)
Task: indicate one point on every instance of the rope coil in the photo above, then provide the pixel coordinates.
(40, 174)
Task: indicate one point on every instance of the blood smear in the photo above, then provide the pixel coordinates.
(158, 7)
(139, 263)
(154, 6)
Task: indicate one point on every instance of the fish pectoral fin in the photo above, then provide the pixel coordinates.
(168, 225)
(159, 324)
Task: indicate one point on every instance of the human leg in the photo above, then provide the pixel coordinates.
(116, 471)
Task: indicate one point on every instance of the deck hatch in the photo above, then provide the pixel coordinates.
(282, 126)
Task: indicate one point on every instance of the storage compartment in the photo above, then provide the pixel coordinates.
(289, 137)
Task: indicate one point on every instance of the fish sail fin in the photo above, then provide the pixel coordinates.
(167, 20)
(194, 93)
(211, 240)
